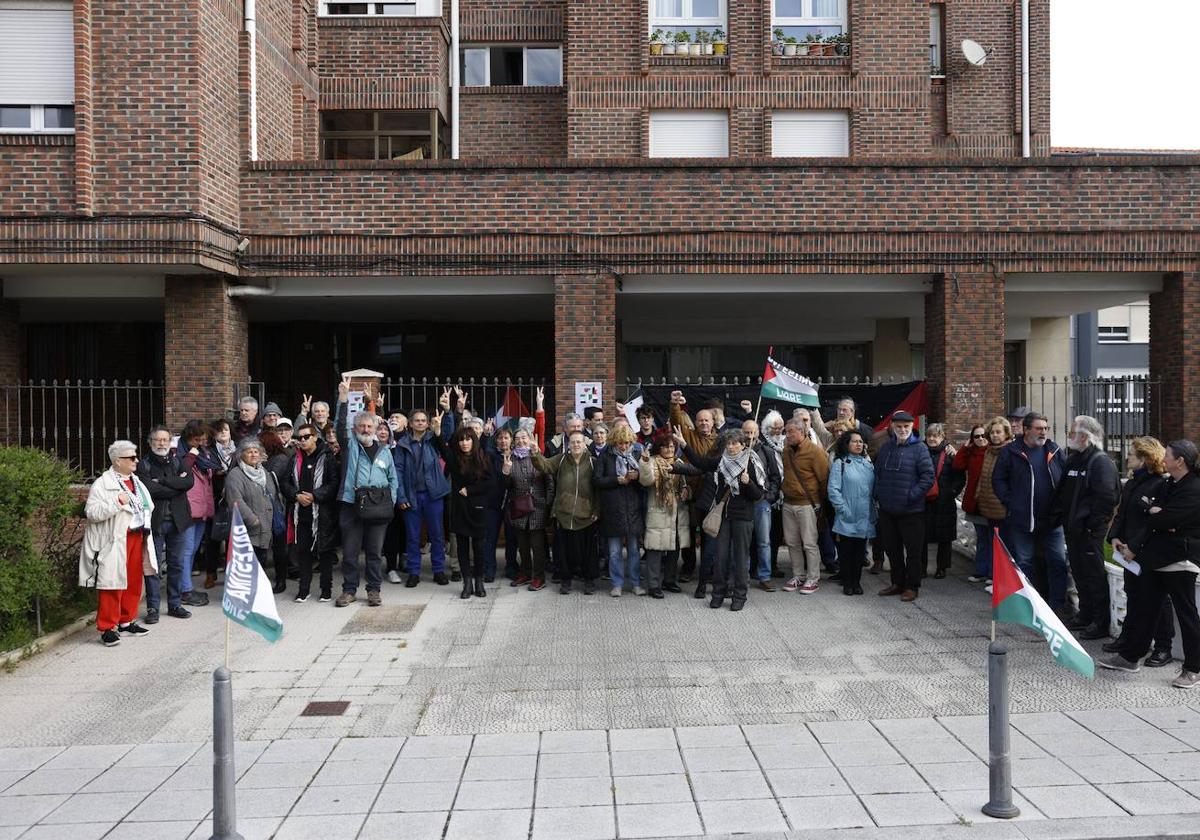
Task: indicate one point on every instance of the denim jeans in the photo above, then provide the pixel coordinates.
(762, 540)
(428, 511)
(983, 551)
(491, 539)
(1054, 555)
(169, 543)
(616, 565)
(193, 537)
(365, 537)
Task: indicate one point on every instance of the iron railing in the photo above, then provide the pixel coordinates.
(77, 420)
(1125, 406)
(630, 386)
(485, 396)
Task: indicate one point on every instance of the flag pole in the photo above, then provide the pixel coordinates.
(227, 634)
(758, 407)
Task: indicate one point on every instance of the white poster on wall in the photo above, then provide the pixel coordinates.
(587, 394)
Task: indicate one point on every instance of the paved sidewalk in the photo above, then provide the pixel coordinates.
(632, 783)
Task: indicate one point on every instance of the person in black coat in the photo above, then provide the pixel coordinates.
(1170, 560)
(168, 482)
(1128, 534)
(622, 508)
(472, 481)
(310, 484)
(941, 513)
(1084, 503)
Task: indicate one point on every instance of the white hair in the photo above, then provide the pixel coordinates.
(771, 418)
(248, 401)
(366, 415)
(250, 443)
(1092, 429)
(119, 448)
(570, 417)
(320, 402)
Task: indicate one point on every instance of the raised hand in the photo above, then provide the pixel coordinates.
(677, 398)
(677, 435)
(541, 398)
(444, 400)
(747, 406)
(489, 428)
(344, 390)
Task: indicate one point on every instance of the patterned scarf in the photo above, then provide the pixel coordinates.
(731, 469)
(625, 462)
(667, 485)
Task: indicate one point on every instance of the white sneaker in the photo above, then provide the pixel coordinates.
(792, 585)
(616, 592)
(638, 590)
(976, 579)
(988, 589)
(394, 576)
(1186, 679)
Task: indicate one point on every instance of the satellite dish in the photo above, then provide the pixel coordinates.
(973, 52)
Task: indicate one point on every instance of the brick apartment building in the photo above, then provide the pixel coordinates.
(831, 177)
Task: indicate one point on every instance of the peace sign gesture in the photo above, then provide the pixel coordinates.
(444, 401)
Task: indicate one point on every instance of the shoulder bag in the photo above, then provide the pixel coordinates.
(373, 504)
(714, 517)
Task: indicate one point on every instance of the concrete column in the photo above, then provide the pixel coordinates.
(1175, 357)
(964, 347)
(207, 347)
(585, 336)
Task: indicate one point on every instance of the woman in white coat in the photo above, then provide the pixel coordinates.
(117, 547)
(668, 528)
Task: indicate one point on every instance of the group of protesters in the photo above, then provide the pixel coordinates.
(695, 496)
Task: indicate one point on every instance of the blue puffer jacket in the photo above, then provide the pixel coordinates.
(851, 480)
(1012, 480)
(424, 458)
(903, 475)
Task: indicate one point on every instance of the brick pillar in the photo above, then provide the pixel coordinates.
(964, 348)
(1175, 358)
(585, 337)
(207, 347)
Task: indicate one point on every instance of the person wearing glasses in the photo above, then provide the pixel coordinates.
(310, 484)
(971, 460)
(117, 548)
(1028, 472)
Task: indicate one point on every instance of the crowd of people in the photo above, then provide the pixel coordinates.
(694, 497)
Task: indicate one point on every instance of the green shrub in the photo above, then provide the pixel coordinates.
(39, 540)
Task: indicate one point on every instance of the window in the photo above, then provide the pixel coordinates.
(37, 66)
(1113, 334)
(801, 18)
(810, 134)
(937, 39)
(383, 135)
(673, 16)
(689, 134)
(1124, 324)
(528, 66)
(392, 8)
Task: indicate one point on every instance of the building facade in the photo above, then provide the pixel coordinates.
(214, 192)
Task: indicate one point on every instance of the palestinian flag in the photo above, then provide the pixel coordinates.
(248, 598)
(780, 383)
(511, 411)
(1015, 601)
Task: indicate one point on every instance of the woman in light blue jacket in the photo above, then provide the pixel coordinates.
(851, 481)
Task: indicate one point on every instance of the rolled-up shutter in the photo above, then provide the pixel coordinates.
(689, 134)
(37, 53)
(810, 134)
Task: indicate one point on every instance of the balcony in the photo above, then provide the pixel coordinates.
(675, 45)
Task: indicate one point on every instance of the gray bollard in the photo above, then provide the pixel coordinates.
(1000, 804)
(224, 819)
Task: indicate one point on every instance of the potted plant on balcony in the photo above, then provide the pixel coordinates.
(681, 42)
(704, 39)
(777, 43)
(656, 42)
(841, 43)
(812, 42)
(718, 41)
(694, 47)
(789, 46)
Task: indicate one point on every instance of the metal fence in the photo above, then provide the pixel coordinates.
(630, 386)
(1127, 407)
(77, 420)
(485, 396)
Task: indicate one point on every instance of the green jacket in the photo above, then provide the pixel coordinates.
(575, 503)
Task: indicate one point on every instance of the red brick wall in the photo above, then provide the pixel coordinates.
(206, 332)
(513, 122)
(221, 108)
(497, 21)
(585, 336)
(383, 63)
(1175, 357)
(964, 347)
(37, 174)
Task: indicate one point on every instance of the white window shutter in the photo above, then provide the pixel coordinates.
(689, 134)
(810, 134)
(429, 8)
(37, 53)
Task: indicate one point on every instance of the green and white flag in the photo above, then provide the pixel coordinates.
(780, 383)
(248, 598)
(1015, 601)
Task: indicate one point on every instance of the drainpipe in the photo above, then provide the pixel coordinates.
(454, 81)
(1025, 78)
(253, 291)
(250, 32)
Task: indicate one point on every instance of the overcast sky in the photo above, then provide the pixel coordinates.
(1125, 74)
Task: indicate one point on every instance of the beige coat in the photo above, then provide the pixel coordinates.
(102, 554)
(667, 528)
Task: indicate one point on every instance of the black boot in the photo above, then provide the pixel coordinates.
(468, 589)
(480, 592)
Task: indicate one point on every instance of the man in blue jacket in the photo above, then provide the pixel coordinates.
(903, 475)
(422, 494)
(1027, 474)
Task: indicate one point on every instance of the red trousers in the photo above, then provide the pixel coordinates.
(120, 606)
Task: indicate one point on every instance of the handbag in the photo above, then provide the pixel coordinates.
(520, 505)
(373, 504)
(714, 517)
(222, 521)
